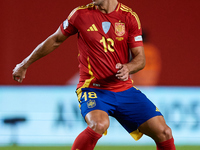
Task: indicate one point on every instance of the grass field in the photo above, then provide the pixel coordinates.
(101, 148)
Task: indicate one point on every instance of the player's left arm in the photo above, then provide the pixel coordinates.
(136, 64)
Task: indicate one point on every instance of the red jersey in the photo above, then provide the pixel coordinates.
(103, 41)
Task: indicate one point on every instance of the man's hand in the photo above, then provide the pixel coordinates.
(19, 73)
(123, 72)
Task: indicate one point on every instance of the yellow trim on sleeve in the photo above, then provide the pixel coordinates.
(127, 9)
(71, 14)
(80, 7)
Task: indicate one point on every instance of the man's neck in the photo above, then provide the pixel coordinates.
(108, 6)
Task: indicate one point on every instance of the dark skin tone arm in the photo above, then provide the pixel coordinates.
(46, 47)
(136, 64)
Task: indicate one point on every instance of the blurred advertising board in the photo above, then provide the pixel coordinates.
(49, 115)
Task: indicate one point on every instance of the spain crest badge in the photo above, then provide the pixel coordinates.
(119, 29)
(91, 103)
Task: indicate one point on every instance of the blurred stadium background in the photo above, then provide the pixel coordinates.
(43, 113)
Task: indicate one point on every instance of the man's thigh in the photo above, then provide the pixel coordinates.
(95, 99)
(134, 108)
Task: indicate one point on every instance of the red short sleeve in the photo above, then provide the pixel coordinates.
(67, 27)
(135, 31)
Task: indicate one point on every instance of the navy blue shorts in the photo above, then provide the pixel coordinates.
(131, 107)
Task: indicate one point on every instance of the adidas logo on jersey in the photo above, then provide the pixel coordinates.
(92, 28)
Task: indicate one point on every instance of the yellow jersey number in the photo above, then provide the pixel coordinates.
(108, 44)
(89, 95)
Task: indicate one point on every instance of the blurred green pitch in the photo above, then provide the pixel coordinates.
(100, 148)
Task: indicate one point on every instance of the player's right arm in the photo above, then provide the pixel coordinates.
(46, 47)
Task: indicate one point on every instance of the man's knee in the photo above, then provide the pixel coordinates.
(98, 121)
(157, 129)
(164, 134)
(99, 126)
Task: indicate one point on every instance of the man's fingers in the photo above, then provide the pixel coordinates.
(123, 78)
(122, 73)
(17, 78)
(119, 66)
(19, 73)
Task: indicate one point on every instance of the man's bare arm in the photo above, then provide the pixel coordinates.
(46, 47)
(136, 64)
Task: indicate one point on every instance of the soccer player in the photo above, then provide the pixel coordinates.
(107, 32)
